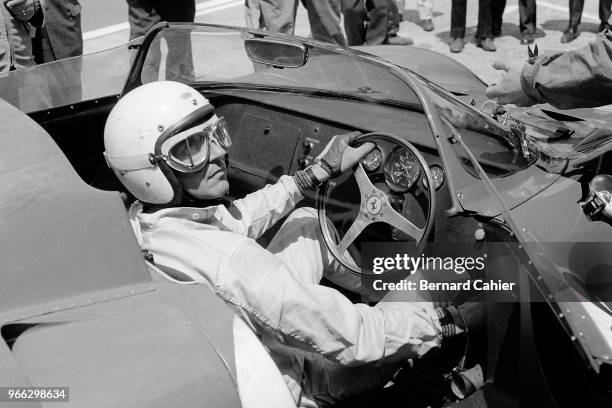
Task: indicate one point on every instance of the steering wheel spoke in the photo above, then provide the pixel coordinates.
(353, 232)
(395, 219)
(363, 181)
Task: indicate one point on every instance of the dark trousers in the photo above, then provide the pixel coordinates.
(60, 38)
(370, 21)
(489, 18)
(143, 14)
(527, 16)
(324, 18)
(576, 7)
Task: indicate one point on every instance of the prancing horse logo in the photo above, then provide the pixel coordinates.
(373, 205)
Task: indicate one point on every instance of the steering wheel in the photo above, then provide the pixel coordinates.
(374, 207)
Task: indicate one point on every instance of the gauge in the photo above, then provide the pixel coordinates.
(373, 159)
(402, 169)
(437, 175)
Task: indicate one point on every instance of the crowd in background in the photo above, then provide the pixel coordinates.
(374, 22)
(37, 31)
(365, 21)
(490, 14)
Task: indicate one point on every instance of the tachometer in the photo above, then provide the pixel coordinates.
(402, 170)
(372, 160)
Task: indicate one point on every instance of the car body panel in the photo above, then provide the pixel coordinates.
(438, 68)
(173, 344)
(140, 351)
(568, 259)
(514, 190)
(41, 198)
(573, 275)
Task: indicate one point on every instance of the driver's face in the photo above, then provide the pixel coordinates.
(211, 182)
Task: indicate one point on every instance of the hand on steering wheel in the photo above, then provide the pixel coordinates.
(375, 207)
(338, 156)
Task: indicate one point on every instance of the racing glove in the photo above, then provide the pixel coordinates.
(338, 156)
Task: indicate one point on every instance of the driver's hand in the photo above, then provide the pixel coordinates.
(338, 156)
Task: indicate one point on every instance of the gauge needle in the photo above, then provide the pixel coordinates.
(402, 169)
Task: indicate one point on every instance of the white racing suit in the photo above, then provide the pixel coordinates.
(326, 347)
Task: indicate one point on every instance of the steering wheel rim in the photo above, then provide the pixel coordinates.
(380, 209)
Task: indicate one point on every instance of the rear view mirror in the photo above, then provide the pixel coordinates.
(277, 53)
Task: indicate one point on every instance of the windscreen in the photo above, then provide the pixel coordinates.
(496, 149)
(204, 54)
(69, 81)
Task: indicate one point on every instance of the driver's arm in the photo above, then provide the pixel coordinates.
(260, 210)
(319, 319)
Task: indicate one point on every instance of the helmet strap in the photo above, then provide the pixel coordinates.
(177, 197)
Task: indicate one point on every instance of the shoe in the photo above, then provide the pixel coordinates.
(487, 44)
(569, 35)
(603, 27)
(527, 39)
(456, 45)
(398, 40)
(427, 25)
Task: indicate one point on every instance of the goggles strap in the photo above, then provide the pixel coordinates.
(127, 163)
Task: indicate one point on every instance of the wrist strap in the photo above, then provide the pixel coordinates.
(446, 322)
(300, 181)
(314, 181)
(592, 206)
(306, 180)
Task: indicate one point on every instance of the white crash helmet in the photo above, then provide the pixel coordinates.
(152, 130)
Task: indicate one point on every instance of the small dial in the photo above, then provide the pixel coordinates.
(402, 170)
(372, 160)
(437, 175)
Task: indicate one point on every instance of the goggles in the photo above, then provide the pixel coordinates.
(187, 151)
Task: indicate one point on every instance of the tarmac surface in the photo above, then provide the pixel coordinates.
(105, 25)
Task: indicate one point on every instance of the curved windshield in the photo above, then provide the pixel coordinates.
(497, 150)
(192, 54)
(208, 54)
(68, 81)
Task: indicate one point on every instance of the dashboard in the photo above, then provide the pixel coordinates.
(401, 168)
(270, 140)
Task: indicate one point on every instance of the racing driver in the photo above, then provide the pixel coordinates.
(168, 148)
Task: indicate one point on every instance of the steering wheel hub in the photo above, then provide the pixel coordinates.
(373, 205)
